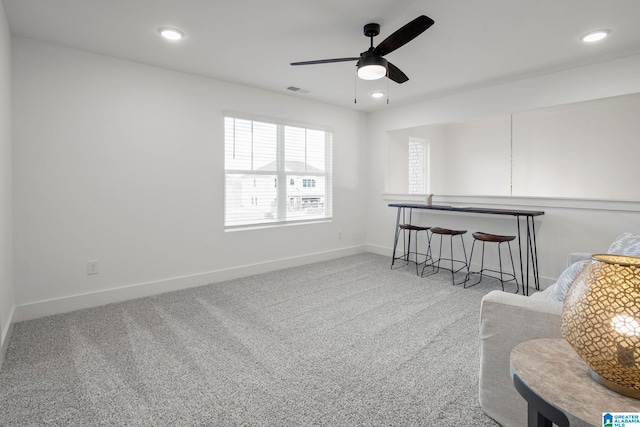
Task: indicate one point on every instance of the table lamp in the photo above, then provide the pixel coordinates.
(601, 321)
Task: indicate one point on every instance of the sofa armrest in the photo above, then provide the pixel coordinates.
(505, 321)
(574, 257)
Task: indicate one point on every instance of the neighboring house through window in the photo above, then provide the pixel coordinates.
(261, 154)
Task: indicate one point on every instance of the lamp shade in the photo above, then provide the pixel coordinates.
(372, 67)
(601, 321)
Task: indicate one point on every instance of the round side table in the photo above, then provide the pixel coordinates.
(556, 383)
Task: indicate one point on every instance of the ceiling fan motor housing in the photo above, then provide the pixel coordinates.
(369, 57)
(371, 66)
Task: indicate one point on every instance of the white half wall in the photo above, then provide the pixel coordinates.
(6, 188)
(568, 225)
(123, 163)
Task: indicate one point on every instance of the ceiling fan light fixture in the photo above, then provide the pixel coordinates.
(372, 67)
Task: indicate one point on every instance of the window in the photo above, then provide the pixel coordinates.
(259, 156)
(418, 166)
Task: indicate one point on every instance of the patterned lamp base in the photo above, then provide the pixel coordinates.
(601, 321)
(631, 392)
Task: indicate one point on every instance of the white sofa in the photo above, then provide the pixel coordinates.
(509, 319)
(505, 321)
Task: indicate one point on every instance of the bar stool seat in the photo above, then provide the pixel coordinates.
(493, 238)
(436, 264)
(407, 252)
(447, 231)
(413, 227)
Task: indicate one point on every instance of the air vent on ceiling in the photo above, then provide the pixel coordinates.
(297, 89)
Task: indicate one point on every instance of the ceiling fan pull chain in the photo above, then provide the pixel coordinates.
(387, 91)
(355, 87)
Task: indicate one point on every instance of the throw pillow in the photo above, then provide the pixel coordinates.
(625, 244)
(559, 291)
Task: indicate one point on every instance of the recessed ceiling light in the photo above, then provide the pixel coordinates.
(595, 36)
(170, 33)
(377, 94)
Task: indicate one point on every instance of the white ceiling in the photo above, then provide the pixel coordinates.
(473, 43)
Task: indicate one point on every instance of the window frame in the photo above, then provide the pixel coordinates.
(281, 174)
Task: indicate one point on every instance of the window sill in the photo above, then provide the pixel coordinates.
(276, 225)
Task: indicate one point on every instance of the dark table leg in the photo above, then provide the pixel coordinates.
(531, 255)
(528, 251)
(540, 412)
(525, 284)
(534, 255)
(395, 239)
(536, 419)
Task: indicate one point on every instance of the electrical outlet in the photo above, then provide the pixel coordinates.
(92, 267)
(339, 234)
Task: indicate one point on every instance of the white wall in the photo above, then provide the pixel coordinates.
(6, 185)
(593, 145)
(477, 158)
(568, 225)
(122, 163)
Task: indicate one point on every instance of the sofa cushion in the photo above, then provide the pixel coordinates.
(626, 244)
(561, 287)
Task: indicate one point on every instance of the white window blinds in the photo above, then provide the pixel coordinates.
(418, 166)
(276, 173)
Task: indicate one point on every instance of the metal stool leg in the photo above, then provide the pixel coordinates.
(453, 279)
(427, 254)
(492, 238)
(453, 261)
(482, 262)
(481, 266)
(513, 266)
(430, 255)
(466, 263)
(439, 255)
(500, 264)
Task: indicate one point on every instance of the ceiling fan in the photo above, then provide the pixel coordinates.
(371, 64)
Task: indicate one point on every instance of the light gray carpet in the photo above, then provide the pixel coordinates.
(346, 342)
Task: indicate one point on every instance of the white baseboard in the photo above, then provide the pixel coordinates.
(5, 336)
(379, 250)
(50, 307)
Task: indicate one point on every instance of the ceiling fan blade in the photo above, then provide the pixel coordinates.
(395, 74)
(326, 61)
(404, 35)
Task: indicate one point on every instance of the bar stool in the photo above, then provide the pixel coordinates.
(436, 264)
(493, 238)
(408, 228)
